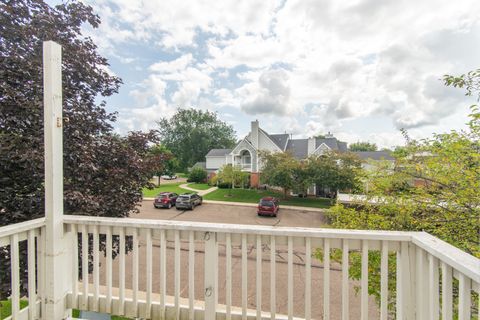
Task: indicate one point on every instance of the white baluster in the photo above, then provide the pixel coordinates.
(326, 279)
(259, 277)
(308, 278)
(345, 287)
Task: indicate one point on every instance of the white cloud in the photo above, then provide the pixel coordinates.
(269, 95)
(150, 105)
(172, 66)
(349, 60)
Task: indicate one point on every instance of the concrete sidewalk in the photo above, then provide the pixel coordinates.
(199, 192)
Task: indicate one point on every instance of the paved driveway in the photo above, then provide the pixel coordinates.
(233, 214)
(246, 215)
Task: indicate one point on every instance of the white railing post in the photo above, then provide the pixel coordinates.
(211, 274)
(55, 262)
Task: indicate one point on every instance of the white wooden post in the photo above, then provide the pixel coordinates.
(55, 262)
(211, 275)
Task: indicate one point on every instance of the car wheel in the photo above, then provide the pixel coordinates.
(178, 208)
(192, 207)
(169, 206)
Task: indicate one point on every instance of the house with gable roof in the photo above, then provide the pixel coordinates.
(245, 155)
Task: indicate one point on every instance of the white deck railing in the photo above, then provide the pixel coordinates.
(27, 234)
(168, 253)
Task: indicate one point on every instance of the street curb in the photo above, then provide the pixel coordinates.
(246, 204)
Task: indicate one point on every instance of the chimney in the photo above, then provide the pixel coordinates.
(329, 135)
(311, 145)
(254, 133)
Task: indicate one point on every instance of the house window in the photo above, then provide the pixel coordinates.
(246, 157)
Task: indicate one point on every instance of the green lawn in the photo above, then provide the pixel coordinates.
(199, 186)
(253, 196)
(6, 310)
(166, 187)
(6, 307)
(76, 314)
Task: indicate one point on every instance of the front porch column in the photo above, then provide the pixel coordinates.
(56, 266)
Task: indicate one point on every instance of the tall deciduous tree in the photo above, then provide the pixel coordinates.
(280, 169)
(191, 133)
(103, 172)
(363, 146)
(335, 170)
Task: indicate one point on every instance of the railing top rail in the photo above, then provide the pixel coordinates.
(445, 252)
(11, 229)
(236, 228)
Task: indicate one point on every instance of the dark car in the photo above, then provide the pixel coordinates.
(165, 200)
(268, 206)
(188, 201)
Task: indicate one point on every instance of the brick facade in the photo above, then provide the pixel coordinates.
(254, 179)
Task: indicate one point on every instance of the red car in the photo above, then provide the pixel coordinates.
(165, 200)
(268, 206)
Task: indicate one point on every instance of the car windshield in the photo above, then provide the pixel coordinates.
(183, 198)
(266, 203)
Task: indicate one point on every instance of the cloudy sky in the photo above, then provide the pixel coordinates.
(361, 69)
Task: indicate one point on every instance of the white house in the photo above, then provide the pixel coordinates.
(245, 153)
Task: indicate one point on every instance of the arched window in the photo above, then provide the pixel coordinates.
(246, 157)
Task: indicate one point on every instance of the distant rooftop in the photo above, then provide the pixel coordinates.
(374, 155)
(218, 152)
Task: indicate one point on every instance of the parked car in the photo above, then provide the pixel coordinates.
(188, 201)
(300, 194)
(169, 177)
(165, 200)
(268, 206)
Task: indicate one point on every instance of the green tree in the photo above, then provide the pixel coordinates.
(226, 175)
(335, 170)
(281, 170)
(434, 188)
(363, 146)
(191, 133)
(470, 82)
(302, 178)
(103, 172)
(170, 163)
(233, 176)
(198, 175)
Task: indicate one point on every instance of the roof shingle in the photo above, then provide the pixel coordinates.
(218, 152)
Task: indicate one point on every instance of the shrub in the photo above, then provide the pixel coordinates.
(224, 185)
(197, 175)
(213, 181)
